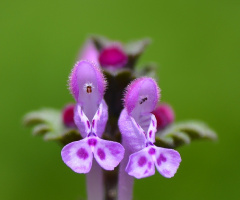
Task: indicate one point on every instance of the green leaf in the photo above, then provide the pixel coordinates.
(183, 133)
(149, 69)
(41, 129)
(48, 123)
(134, 50)
(100, 41)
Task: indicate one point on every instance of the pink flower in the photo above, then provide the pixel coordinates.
(138, 127)
(87, 85)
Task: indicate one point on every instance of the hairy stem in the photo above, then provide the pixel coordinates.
(110, 184)
(95, 184)
(125, 182)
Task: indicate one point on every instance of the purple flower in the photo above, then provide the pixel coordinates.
(164, 115)
(138, 127)
(89, 52)
(87, 85)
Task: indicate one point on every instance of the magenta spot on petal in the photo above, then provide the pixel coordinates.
(112, 57)
(101, 154)
(142, 161)
(146, 171)
(150, 134)
(93, 123)
(161, 159)
(98, 112)
(149, 165)
(82, 153)
(151, 151)
(81, 112)
(92, 142)
(153, 122)
(88, 124)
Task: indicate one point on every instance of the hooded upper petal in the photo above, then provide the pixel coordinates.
(141, 96)
(87, 85)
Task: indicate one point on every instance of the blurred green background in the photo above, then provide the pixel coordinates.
(196, 45)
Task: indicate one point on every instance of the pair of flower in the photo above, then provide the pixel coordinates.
(136, 123)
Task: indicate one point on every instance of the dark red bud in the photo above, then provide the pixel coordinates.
(113, 57)
(164, 115)
(67, 115)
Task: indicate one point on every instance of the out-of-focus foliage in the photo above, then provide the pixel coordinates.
(183, 133)
(48, 122)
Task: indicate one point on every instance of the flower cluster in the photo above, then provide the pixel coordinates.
(117, 120)
(136, 123)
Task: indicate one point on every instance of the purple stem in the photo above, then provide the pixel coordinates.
(125, 182)
(95, 186)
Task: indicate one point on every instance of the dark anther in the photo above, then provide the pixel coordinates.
(143, 100)
(89, 89)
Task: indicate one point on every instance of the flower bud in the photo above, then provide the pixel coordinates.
(112, 57)
(67, 116)
(164, 115)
